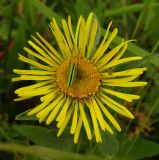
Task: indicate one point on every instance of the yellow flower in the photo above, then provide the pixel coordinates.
(73, 80)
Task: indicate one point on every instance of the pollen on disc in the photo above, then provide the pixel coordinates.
(86, 80)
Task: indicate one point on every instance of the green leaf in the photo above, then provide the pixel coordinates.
(109, 147)
(45, 137)
(46, 11)
(127, 9)
(32, 157)
(142, 148)
(29, 12)
(11, 59)
(46, 153)
(24, 116)
(80, 7)
(151, 98)
(7, 8)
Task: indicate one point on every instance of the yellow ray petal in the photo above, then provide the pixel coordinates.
(21, 98)
(39, 50)
(31, 87)
(118, 80)
(78, 129)
(85, 121)
(77, 29)
(88, 26)
(124, 112)
(49, 107)
(68, 116)
(36, 64)
(129, 72)
(36, 92)
(104, 60)
(35, 78)
(62, 43)
(49, 96)
(120, 54)
(98, 113)
(52, 58)
(108, 128)
(109, 116)
(125, 96)
(38, 108)
(67, 34)
(42, 118)
(82, 39)
(119, 105)
(70, 29)
(120, 61)
(95, 124)
(54, 52)
(54, 112)
(64, 50)
(64, 109)
(103, 41)
(105, 46)
(75, 50)
(92, 37)
(110, 39)
(106, 125)
(128, 84)
(62, 114)
(106, 33)
(74, 120)
(34, 72)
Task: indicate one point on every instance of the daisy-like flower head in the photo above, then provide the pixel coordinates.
(74, 80)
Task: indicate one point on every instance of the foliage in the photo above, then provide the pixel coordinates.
(23, 136)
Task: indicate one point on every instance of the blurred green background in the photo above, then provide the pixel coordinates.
(22, 138)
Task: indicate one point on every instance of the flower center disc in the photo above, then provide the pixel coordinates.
(78, 78)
